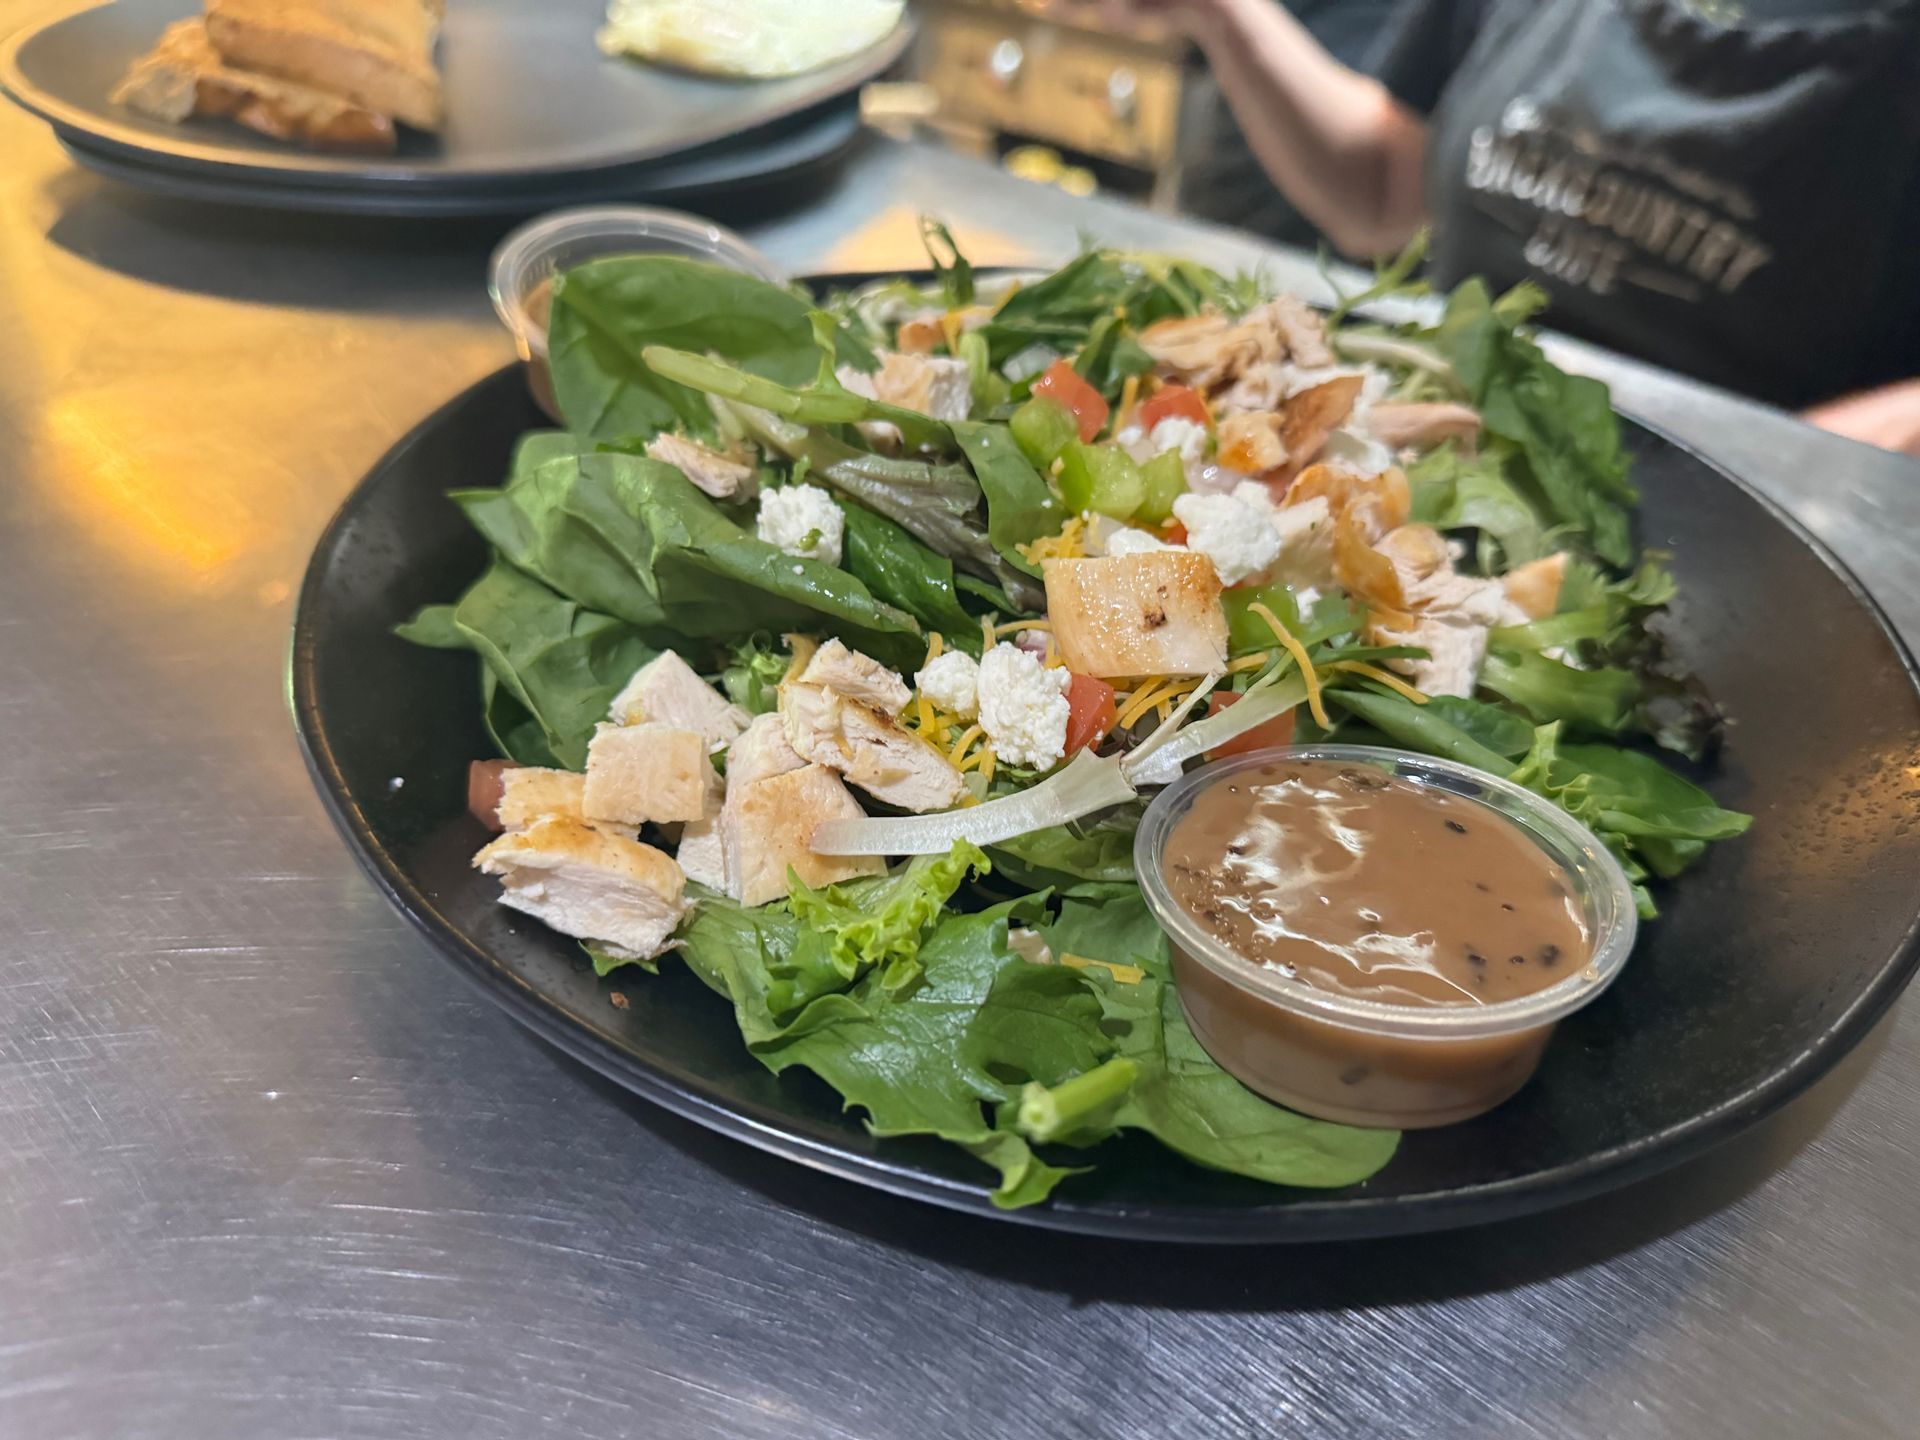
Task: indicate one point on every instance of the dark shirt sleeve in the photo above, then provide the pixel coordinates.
(1422, 45)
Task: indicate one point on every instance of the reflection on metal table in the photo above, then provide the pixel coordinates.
(271, 1170)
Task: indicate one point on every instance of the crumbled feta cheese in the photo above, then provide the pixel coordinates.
(1352, 449)
(1128, 541)
(1237, 537)
(803, 521)
(1176, 432)
(1023, 707)
(952, 681)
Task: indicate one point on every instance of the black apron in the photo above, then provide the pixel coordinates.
(1737, 201)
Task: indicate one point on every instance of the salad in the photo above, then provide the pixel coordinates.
(836, 645)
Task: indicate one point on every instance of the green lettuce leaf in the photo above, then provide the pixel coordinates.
(1177, 1093)
(1600, 700)
(752, 676)
(1452, 491)
(1655, 821)
(606, 312)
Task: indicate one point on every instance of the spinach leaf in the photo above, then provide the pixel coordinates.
(607, 311)
(552, 666)
(1500, 731)
(906, 574)
(432, 627)
(635, 538)
(1020, 507)
(954, 274)
(1421, 727)
(1562, 425)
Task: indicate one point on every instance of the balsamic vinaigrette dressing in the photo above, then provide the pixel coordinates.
(1366, 885)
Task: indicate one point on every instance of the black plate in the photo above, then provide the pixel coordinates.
(805, 148)
(530, 100)
(1769, 962)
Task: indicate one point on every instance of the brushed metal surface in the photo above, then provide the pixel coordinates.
(267, 1170)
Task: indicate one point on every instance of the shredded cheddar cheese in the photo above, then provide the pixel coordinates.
(1149, 694)
(1044, 626)
(1069, 544)
(1299, 653)
(951, 325)
(1385, 677)
(1249, 662)
(1129, 396)
(1125, 974)
(967, 737)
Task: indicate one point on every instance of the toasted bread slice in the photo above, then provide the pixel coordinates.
(376, 52)
(184, 75)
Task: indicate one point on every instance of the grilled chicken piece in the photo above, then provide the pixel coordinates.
(858, 677)
(765, 830)
(1156, 613)
(890, 763)
(1400, 425)
(1301, 329)
(530, 793)
(666, 691)
(638, 774)
(1307, 418)
(1534, 588)
(1250, 442)
(720, 475)
(588, 883)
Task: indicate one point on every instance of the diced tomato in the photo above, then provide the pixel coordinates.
(1171, 400)
(1090, 712)
(486, 783)
(1062, 384)
(1174, 533)
(1277, 731)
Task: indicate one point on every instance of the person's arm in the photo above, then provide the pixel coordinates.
(1345, 152)
(1888, 417)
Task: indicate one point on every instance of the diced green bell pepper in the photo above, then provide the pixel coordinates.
(1101, 478)
(1165, 478)
(1042, 428)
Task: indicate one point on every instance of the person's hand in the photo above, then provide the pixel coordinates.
(1888, 417)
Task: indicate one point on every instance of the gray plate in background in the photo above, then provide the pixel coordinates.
(824, 137)
(529, 97)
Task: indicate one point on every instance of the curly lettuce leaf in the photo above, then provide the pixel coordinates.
(1655, 821)
(1455, 491)
(862, 924)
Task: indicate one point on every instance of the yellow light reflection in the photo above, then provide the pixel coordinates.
(120, 466)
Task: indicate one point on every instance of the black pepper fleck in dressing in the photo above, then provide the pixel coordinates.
(1361, 883)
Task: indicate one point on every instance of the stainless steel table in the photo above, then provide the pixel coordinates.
(268, 1170)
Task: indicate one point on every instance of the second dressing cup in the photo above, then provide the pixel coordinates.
(520, 276)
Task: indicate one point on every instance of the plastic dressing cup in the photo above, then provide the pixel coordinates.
(1365, 1061)
(520, 275)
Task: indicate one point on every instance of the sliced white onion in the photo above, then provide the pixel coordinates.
(1086, 785)
(1161, 765)
(1165, 731)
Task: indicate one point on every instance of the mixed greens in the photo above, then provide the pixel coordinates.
(1424, 536)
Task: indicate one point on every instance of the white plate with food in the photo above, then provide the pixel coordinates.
(396, 97)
